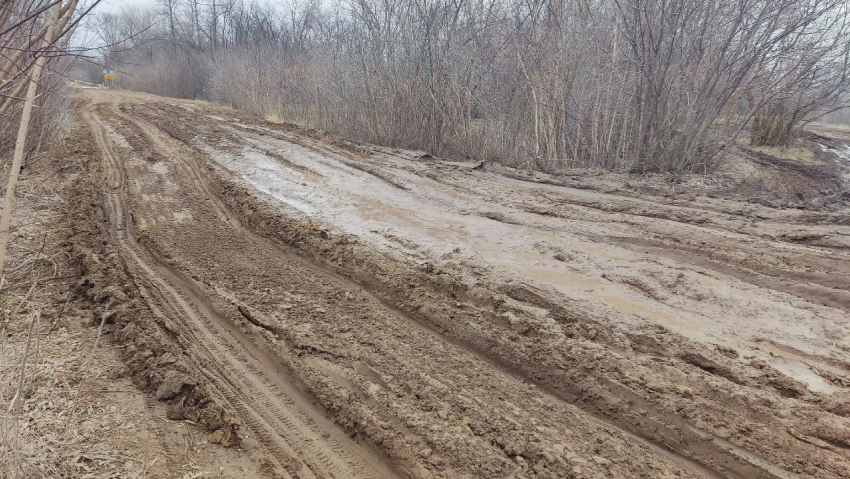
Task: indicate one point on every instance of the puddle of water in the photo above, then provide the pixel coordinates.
(565, 279)
(584, 245)
(312, 177)
(446, 231)
(275, 179)
(304, 207)
(373, 210)
(625, 305)
(444, 189)
(602, 291)
(276, 165)
(795, 366)
(358, 204)
(433, 219)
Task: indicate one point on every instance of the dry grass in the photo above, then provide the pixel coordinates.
(841, 131)
(52, 423)
(800, 154)
(273, 117)
(39, 436)
(830, 126)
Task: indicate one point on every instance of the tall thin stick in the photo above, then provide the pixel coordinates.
(85, 369)
(17, 400)
(3, 349)
(20, 142)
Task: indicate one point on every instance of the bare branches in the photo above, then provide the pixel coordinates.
(52, 27)
(636, 85)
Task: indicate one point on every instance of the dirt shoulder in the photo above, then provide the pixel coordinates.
(86, 412)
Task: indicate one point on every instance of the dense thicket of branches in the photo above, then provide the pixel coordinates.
(23, 28)
(639, 85)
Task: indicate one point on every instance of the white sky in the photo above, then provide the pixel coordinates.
(84, 37)
(110, 6)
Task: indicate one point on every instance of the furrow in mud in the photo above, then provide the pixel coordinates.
(832, 291)
(248, 375)
(732, 465)
(696, 450)
(395, 332)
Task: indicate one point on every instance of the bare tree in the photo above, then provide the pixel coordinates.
(634, 85)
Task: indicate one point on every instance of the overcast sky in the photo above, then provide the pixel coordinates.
(115, 5)
(84, 37)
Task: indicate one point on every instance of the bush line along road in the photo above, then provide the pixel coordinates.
(346, 310)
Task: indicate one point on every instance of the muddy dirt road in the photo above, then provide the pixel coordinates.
(345, 310)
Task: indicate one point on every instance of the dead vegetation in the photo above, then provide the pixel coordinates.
(32, 32)
(624, 85)
(42, 355)
(56, 381)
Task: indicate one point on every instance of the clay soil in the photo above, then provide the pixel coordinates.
(312, 307)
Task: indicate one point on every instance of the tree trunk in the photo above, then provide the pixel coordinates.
(20, 142)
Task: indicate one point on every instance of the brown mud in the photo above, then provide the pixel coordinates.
(358, 311)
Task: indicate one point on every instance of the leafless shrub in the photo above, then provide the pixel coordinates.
(809, 79)
(630, 85)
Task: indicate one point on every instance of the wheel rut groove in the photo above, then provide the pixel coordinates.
(684, 445)
(244, 371)
(251, 358)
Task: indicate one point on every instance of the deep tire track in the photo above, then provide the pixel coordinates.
(690, 448)
(717, 455)
(247, 375)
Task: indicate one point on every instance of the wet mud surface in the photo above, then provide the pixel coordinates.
(359, 311)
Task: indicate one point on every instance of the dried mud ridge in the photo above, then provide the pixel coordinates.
(343, 361)
(154, 359)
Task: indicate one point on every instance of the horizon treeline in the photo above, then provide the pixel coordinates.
(624, 85)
